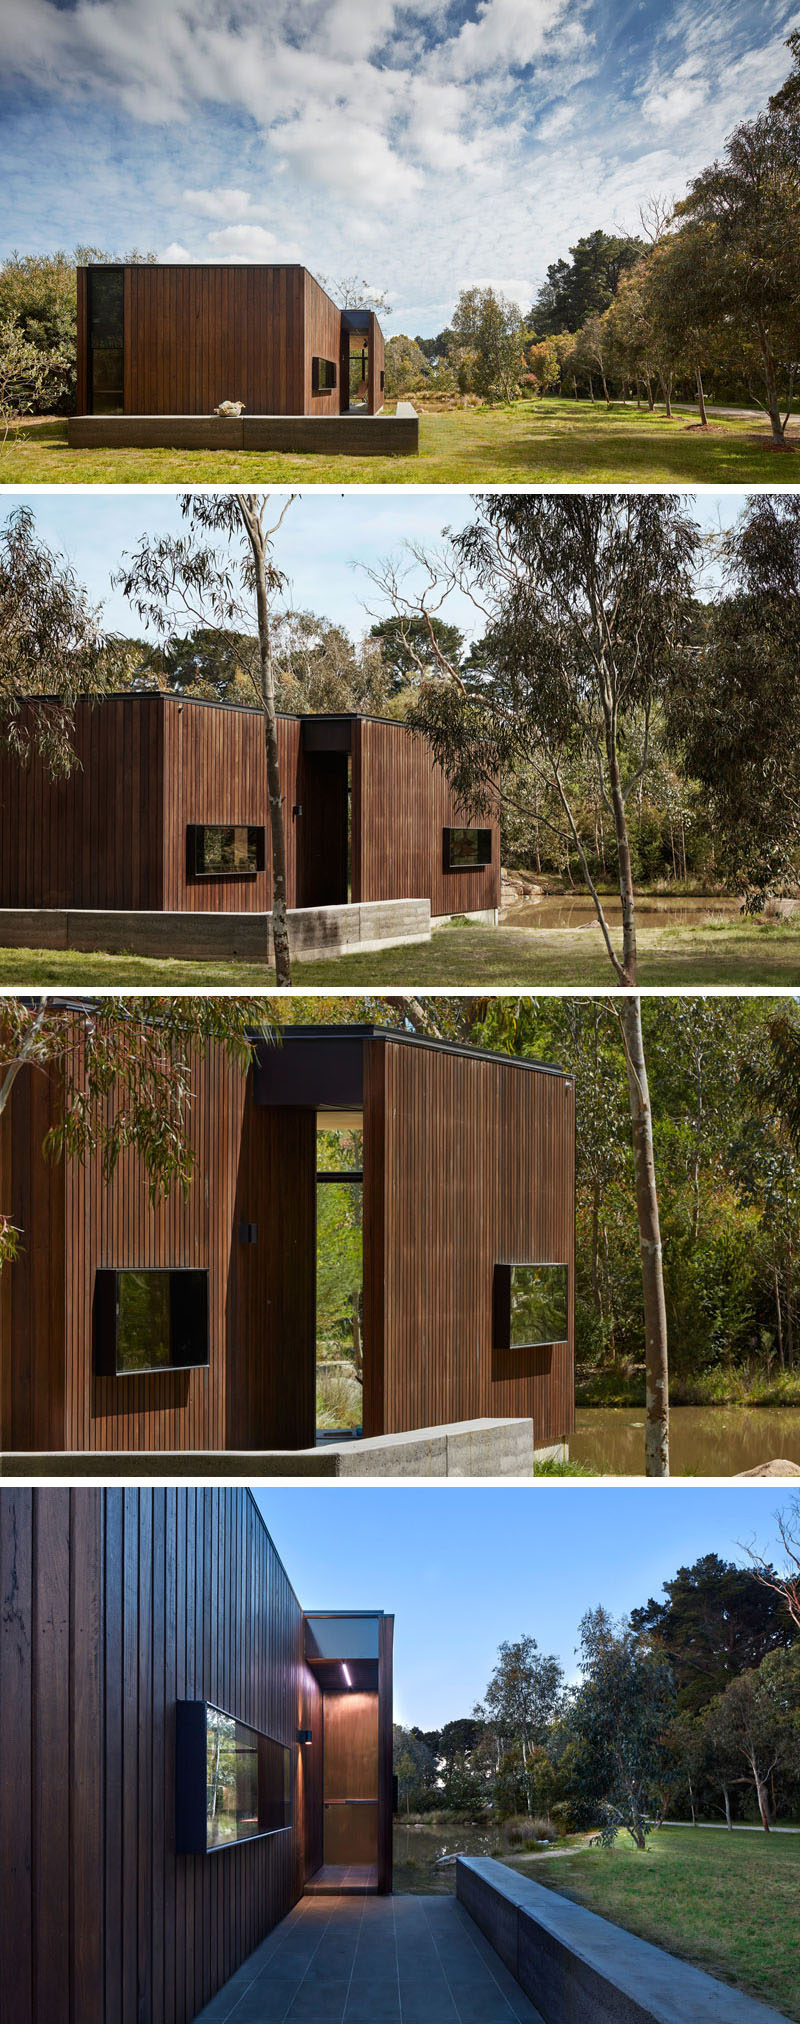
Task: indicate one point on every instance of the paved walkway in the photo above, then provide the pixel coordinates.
(371, 1960)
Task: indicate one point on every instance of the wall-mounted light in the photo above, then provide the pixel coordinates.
(248, 1233)
(304, 1736)
(297, 810)
(347, 1676)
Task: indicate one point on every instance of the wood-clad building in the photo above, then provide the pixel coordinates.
(179, 339)
(468, 1195)
(136, 1623)
(166, 809)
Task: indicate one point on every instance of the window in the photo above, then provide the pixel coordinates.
(105, 305)
(150, 1320)
(323, 375)
(383, 382)
(232, 1782)
(530, 1306)
(340, 1278)
(225, 850)
(467, 849)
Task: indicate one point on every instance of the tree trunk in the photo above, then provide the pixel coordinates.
(763, 1800)
(727, 1798)
(605, 388)
(773, 402)
(650, 401)
(248, 506)
(701, 399)
(655, 1308)
(777, 1286)
(666, 388)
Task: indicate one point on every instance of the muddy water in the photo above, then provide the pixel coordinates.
(576, 910)
(704, 1440)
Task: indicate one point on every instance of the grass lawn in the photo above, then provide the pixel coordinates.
(726, 1902)
(735, 952)
(548, 442)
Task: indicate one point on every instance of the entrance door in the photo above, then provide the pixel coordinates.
(350, 1780)
(324, 855)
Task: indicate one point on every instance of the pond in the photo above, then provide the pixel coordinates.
(418, 1846)
(576, 910)
(704, 1440)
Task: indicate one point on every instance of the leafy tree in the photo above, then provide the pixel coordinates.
(739, 724)
(414, 1767)
(589, 615)
(414, 648)
(28, 377)
(747, 287)
(521, 1700)
(714, 1622)
(124, 1068)
(586, 283)
(617, 1723)
(227, 585)
(755, 1724)
(53, 650)
(490, 333)
(406, 366)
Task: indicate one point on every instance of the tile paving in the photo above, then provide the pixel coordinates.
(372, 1960)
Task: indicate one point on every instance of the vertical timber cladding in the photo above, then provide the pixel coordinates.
(216, 769)
(32, 1291)
(195, 336)
(467, 1162)
(95, 839)
(120, 1603)
(322, 327)
(402, 803)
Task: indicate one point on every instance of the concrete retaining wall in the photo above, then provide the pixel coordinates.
(319, 435)
(466, 1448)
(199, 937)
(577, 1968)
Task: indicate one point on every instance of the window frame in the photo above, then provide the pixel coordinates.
(191, 1780)
(105, 1320)
(466, 829)
(194, 831)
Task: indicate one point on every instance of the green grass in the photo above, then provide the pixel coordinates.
(530, 442)
(726, 1902)
(739, 953)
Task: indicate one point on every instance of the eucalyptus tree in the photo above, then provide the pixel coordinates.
(618, 1723)
(588, 612)
(124, 1068)
(521, 1701)
(53, 648)
(221, 573)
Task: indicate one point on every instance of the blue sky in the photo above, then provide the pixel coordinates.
(324, 546)
(462, 1568)
(422, 145)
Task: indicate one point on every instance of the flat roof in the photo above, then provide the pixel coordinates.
(372, 1031)
(153, 695)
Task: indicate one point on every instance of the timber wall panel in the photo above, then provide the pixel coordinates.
(322, 326)
(271, 1395)
(195, 336)
(118, 1603)
(402, 803)
(477, 1169)
(216, 771)
(32, 1295)
(95, 839)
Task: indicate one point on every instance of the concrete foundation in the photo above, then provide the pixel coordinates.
(466, 1448)
(206, 937)
(484, 917)
(318, 435)
(579, 1969)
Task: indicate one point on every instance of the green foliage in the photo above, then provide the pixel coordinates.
(616, 1724)
(586, 283)
(489, 343)
(53, 650)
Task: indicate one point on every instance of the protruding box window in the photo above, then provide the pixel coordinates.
(153, 1319)
(323, 376)
(233, 1782)
(225, 850)
(467, 849)
(530, 1306)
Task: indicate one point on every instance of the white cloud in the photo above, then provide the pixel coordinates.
(677, 103)
(174, 252)
(556, 122)
(223, 203)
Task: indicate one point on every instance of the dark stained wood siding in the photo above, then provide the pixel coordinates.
(402, 801)
(198, 335)
(467, 1163)
(215, 764)
(323, 332)
(271, 1393)
(32, 1291)
(117, 1604)
(376, 365)
(385, 1751)
(95, 839)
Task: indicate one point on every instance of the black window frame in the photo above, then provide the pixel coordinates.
(196, 830)
(102, 268)
(467, 829)
(502, 1339)
(320, 383)
(191, 1780)
(105, 1319)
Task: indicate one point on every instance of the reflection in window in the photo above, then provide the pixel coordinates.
(323, 376)
(467, 849)
(248, 1782)
(340, 1279)
(531, 1306)
(225, 850)
(150, 1321)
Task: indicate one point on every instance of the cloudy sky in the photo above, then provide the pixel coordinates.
(463, 1567)
(423, 145)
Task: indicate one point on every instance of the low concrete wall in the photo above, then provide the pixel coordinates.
(318, 435)
(467, 1448)
(201, 937)
(577, 1968)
